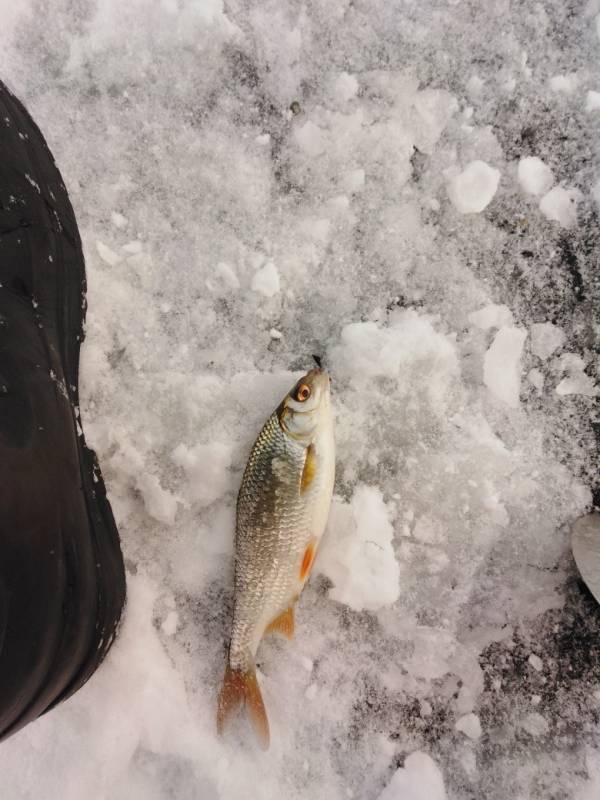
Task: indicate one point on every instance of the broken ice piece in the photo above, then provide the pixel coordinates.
(502, 365)
(534, 176)
(560, 205)
(473, 189)
(469, 725)
(546, 338)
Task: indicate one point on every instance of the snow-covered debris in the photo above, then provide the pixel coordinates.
(473, 189)
(534, 176)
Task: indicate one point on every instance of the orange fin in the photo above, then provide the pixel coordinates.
(310, 468)
(240, 688)
(307, 560)
(284, 624)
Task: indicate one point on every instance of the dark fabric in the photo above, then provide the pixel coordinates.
(62, 582)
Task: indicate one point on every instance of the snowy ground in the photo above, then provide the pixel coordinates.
(409, 190)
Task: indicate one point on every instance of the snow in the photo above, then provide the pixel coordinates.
(266, 280)
(473, 189)
(560, 205)
(358, 555)
(492, 316)
(312, 139)
(419, 779)
(564, 83)
(592, 101)
(502, 365)
(534, 176)
(273, 182)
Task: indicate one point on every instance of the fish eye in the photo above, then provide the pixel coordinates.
(302, 393)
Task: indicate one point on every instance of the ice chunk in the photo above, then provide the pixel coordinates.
(473, 189)
(419, 779)
(470, 725)
(576, 381)
(536, 662)
(535, 724)
(311, 139)
(592, 101)
(560, 205)
(534, 176)
(502, 365)
(492, 316)
(546, 338)
(357, 553)
(266, 280)
(409, 350)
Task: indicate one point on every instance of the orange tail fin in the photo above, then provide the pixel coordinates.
(240, 688)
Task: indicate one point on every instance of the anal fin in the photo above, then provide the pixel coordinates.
(283, 624)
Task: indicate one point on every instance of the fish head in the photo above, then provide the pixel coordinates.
(306, 407)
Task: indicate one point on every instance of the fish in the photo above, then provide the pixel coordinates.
(585, 543)
(282, 510)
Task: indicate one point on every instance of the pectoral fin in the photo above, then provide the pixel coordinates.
(310, 468)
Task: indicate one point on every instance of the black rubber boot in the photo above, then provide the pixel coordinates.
(62, 581)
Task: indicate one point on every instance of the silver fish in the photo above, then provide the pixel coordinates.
(282, 510)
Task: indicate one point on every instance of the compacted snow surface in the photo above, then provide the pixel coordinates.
(409, 191)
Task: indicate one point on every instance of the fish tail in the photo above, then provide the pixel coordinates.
(240, 688)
